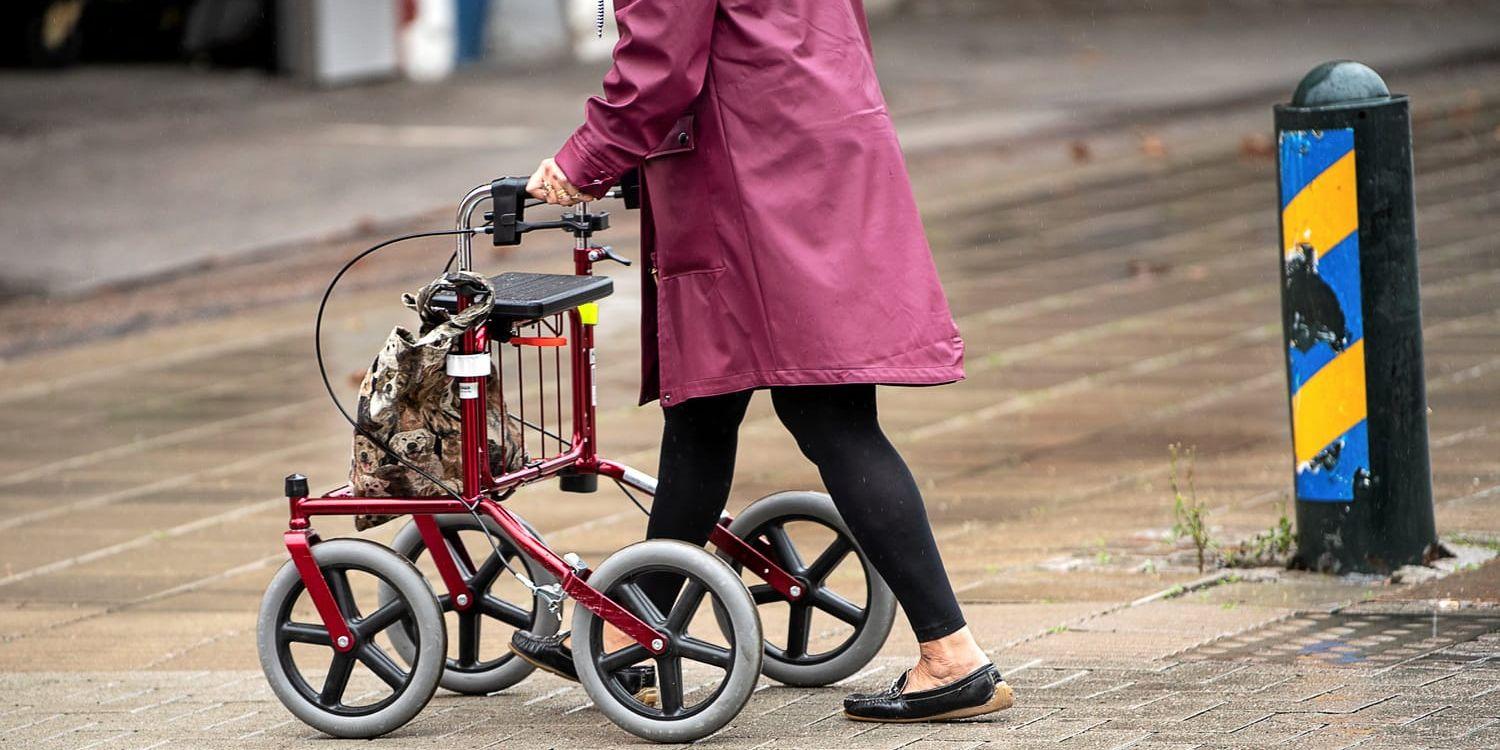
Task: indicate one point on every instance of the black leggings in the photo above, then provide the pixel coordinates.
(837, 429)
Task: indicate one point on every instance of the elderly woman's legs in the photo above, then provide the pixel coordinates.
(837, 428)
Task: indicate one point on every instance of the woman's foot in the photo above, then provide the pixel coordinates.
(945, 660)
(953, 679)
(981, 692)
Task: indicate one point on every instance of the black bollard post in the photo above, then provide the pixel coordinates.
(1353, 324)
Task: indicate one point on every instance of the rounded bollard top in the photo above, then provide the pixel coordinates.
(1339, 82)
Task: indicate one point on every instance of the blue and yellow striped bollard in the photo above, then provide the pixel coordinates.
(1352, 323)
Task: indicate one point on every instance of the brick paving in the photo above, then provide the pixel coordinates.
(1064, 701)
(1111, 306)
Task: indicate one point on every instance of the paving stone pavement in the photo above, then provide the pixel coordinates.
(1112, 302)
(1063, 701)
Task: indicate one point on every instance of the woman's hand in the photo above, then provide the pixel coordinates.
(549, 183)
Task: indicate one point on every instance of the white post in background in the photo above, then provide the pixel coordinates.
(429, 41)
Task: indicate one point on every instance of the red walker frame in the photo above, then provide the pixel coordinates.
(485, 492)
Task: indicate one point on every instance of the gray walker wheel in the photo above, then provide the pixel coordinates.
(366, 692)
(852, 631)
(500, 612)
(705, 677)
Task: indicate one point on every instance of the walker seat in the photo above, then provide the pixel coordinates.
(531, 296)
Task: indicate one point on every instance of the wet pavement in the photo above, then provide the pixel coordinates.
(1117, 290)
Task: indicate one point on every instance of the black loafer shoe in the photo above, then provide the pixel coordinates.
(545, 652)
(550, 654)
(980, 692)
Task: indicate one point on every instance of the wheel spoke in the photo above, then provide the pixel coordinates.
(337, 679)
(387, 615)
(786, 552)
(686, 605)
(388, 671)
(487, 572)
(830, 559)
(505, 612)
(301, 632)
(338, 583)
(703, 652)
(798, 630)
(838, 606)
(632, 598)
(762, 593)
(669, 684)
(617, 660)
(468, 638)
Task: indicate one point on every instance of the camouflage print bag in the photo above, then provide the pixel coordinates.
(410, 404)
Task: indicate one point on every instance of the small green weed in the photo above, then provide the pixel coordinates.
(1273, 546)
(1190, 516)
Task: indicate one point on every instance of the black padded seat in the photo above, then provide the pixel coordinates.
(528, 296)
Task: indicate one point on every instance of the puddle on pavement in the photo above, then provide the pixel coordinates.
(1359, 639)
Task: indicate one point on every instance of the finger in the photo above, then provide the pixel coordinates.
(536, 186)
(556, 173)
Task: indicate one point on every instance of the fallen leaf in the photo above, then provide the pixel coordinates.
(1080, 151)
(1257, 146)
(1153, 146)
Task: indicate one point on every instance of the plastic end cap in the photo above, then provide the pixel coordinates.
(296, 485)
(1339, 82)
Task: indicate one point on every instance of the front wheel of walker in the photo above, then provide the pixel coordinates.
(707, 674)
(371, 689)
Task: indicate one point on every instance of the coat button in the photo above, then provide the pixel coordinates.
(683, 139)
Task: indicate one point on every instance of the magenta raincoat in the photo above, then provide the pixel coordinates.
(784, 246)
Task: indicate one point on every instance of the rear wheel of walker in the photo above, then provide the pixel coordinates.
(846, 613)
(707, 673)
(480, 660)
(370, 690)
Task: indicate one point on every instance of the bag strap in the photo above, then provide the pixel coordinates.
(443, 326)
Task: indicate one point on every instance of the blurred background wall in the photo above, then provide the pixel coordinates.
(332, 42)
(326, 42)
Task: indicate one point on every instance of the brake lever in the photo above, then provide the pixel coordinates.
(606, 252)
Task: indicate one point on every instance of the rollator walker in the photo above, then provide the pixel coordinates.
(355, 638)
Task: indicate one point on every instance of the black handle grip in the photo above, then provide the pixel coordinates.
(508, 206)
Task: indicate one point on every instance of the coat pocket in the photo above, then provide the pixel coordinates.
(680, 140)
(681, 191)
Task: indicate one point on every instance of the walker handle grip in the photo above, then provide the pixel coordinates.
(508, 207)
